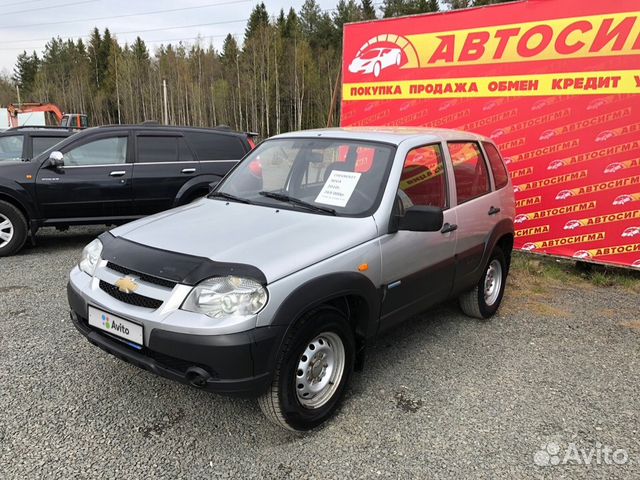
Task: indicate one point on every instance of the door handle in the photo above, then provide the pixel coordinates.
(188, 170)
(449, 227)
(118, 173)
(493, 210)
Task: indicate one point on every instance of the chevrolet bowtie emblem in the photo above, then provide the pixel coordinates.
(126, 285)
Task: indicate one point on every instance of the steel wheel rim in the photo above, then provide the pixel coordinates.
(492, 282)
(320, 370)
(6, 230)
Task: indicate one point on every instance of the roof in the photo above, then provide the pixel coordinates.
(392, 135)
(39, 128)
(150, 126)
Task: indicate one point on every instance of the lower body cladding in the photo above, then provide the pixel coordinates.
(235, 363)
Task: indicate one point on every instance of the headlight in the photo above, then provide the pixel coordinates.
(91, 257)
(226, 296)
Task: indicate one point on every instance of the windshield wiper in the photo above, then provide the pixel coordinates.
(228, 196)
(296, 201)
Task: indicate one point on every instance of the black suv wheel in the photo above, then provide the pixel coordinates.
(13, 229)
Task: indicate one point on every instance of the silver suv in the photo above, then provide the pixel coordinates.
(317, 242)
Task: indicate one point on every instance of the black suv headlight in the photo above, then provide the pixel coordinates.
(221, 297)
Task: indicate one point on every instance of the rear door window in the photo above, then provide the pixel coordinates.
(500, 175)
(157, 149)
(215, 146)
(470, 170)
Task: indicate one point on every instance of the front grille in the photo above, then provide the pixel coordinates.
(130, 298)
(142, 276)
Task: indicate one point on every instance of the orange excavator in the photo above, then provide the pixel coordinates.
(69, 120)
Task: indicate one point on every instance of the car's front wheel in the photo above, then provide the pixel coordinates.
(377, 68)
(13, 229)
(485, 298)
(313, 369)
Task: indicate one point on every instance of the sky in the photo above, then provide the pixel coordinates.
(29, 24)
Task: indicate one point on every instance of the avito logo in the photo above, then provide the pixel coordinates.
(114, 325)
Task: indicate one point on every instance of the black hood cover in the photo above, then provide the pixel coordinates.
(177, 267)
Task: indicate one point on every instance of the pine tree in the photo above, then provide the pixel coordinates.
(368, 10)
(25, 72)
(395, 8)
(259, 18)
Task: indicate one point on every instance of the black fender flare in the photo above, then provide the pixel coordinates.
(321, 291)
(503, 227)
(195, 183)
(18, 195)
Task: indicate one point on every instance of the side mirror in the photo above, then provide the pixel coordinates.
(56, 160)
(422, 219)
(213, 186)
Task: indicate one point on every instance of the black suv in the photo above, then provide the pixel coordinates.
(111, 175)
(25, 143)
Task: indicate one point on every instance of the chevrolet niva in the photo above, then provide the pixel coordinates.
(316, 242)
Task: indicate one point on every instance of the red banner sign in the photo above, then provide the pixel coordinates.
(555, 83)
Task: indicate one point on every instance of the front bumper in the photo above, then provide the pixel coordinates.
(238, 363)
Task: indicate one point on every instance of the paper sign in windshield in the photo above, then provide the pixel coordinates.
(338, 188)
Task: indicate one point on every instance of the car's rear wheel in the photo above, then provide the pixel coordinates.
(484, 299)
(313, 369)
(13, 229)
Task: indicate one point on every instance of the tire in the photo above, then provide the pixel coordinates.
(377, 68)
(291, 401)
(13, 229)
(484, 299)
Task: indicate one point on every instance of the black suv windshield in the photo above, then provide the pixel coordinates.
(323, 176)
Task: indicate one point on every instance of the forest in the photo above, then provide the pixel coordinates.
(279, 77)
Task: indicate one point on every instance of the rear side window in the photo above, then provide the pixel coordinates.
(154, 149)
(423, 181)
(215, 146)
(40, 144)
(470, 170)
(11, 147)
(500, 176)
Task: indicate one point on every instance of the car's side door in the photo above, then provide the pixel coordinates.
(95, 181)
(477, 208)
(418, 267)
(163, 164)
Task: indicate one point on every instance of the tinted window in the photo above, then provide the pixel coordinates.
(215, 146)
(40, 144)
(185, 153)
(500, 176)
(472, 178)
(105, 151)
(423, 181)
(157, 149)
(11, 147)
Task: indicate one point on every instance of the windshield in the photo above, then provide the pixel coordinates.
(341, 177)
(11, 147)
(370, 54)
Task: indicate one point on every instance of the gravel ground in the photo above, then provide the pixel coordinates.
(441, 397)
